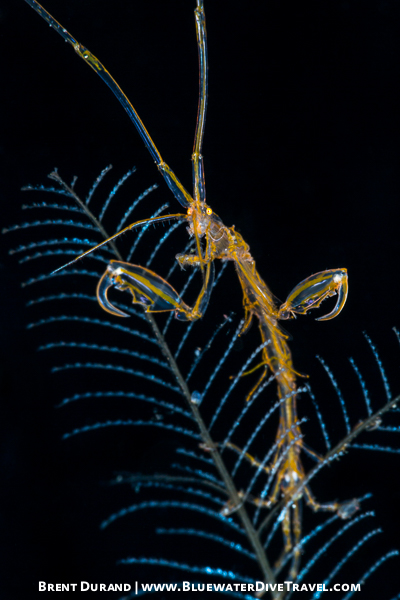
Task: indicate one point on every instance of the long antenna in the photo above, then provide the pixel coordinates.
(132, 226)
(197, 158)
(180, 193)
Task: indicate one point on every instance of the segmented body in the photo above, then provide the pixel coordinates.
(224, 243)
(259, 302)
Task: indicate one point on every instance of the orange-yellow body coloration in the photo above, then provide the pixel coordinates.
(226, 244)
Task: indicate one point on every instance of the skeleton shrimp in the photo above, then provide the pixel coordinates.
(225, 244)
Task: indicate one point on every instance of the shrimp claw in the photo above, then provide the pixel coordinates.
(151, 291)
(146, 287)
(310, 292)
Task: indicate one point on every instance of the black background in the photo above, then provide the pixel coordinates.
(301, 154)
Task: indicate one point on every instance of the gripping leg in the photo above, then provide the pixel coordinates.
(312, 291)
(151, 290)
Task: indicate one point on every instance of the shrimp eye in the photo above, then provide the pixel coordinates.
(209, 211)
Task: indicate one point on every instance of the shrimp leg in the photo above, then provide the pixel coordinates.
(310, 292)
(151, 291)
